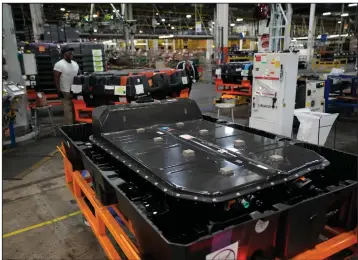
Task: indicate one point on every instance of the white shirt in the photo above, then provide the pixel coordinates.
(68, 72)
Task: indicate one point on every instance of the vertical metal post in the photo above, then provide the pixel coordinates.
(146, 44)
(37, 21)
(195, 17)
(130, 17)
(222, 11)
(10, 46)
(340, 30)
(155, 44)
(91, 12)
(287, 39)
(166, 44)
(311, 32)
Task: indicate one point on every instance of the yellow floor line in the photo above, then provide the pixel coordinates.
(49, 222)
(36, 165)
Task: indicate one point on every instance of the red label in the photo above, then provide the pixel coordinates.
(258, 58)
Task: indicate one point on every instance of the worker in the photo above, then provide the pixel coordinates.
(191, 71)
(63, 72)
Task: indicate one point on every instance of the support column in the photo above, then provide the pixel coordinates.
(222, 14)
(240, 44)
(37, 21)
(287, 39)
(311, 31)
(147, 45)
(209, 49)
(340, 30)
(252, 45)
(130, 17)
(166, 42)
(10, 46)
(173, 44)
(155, 44)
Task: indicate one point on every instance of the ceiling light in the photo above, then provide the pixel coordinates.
(172, 27)
(95, 39)
(328, 13)
(232, 24)
(339, 21)
(346, 14)
(188, 16)
(94, 16)
(62, 9)
(114, 11)
(95, 30)
(191, 28)
(140, 31)
(212, 22)
(239, 19)
(156, 14)
(350, 5)
(163, 20)
(168, 24)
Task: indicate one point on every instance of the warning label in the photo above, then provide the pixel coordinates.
(227, 253)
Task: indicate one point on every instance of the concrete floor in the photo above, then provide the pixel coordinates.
(41, 195)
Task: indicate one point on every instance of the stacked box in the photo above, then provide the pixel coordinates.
(93, 59)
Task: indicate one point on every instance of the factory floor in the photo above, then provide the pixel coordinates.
(34, 197)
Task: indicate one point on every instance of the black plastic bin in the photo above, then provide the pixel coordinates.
(75, 138)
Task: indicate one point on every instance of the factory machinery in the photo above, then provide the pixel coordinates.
(194, 189)
(118, 87)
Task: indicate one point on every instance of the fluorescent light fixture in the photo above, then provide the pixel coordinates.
(95, 15)
(168, 24)
(188, 16)
(163, 20)
(156, 14)
(166, 36)
(191, 28)
(339, 21)
(239, 19)
(62, 9)
(140, 31)
(325, 14)
(158, 23)
(95, 39)
(95, 30)
(345, 14)
(172, 27)
(232, 24)
(351, 5)
(113, 11)
(212, 22)
(301, 38)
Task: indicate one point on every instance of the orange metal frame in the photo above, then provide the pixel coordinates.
(233, 88)
(103, 219)
(31, 96)
(80, 106)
